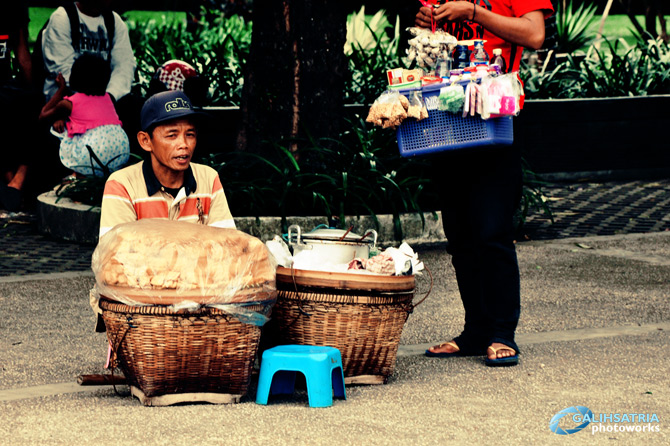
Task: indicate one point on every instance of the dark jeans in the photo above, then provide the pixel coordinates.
(18, 114)
(480, 191)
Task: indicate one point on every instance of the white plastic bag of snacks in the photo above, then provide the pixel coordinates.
(427, 46)
(388, 110)
(165, 262)
(417, 107)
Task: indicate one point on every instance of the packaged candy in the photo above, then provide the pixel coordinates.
(501, 96)
(417, 107)
(472, 103)
(451, 98)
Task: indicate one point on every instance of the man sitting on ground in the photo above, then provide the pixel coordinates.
(168, 185)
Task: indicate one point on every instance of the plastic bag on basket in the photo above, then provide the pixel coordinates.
(429, 45)
(501, 96)
(417, 107)
(388, 110)
(451, 98)
(164, 262)
(473, 100)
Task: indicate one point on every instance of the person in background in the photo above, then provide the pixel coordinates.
(481, 190)
(59, 50)
(92, 140)
(20, 105)
(101, 32)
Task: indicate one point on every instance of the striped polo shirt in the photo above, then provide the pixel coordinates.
(134, 193)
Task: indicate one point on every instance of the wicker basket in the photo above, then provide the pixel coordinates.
(164, 352)
(360, 317)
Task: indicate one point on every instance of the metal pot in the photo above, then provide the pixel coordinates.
(332, 245)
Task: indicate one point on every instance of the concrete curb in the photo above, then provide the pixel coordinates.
(64, 219)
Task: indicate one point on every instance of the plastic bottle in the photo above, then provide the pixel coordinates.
(498, 60)
(461, 57)
(443, 67)
(479, 55)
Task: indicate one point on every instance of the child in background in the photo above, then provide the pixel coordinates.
(86, 122)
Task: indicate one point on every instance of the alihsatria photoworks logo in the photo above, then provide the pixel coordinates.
(579, 417)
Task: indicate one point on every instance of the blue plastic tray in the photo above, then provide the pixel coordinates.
(445, 131)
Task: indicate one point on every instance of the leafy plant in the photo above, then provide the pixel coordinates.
(88, 189)
(366, 32)
(218, 49)
(639, 70)
(369, 56)
(563, 81)
(573, 26)
(360, 173)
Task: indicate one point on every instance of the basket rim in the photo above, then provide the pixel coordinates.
(310, 296)
(344, 281)
(107, 304)
(159, 296)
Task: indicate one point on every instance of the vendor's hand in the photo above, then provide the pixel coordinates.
(59, 126)
(454, 11)
(60, 81)
(423, 17)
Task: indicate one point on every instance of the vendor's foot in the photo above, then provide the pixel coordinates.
(444, 350)
(500, 355)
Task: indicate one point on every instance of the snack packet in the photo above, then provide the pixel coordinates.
(501, 96)
(388, 110)
(427, 46)
(451, 98)
(417, 107)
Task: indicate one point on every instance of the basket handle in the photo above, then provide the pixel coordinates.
(429, 289)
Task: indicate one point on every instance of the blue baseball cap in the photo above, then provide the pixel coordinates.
(166, 106)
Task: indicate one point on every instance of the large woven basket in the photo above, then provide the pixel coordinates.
(164, 352)
(361, 316)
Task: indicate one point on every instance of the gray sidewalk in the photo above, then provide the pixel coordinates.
(593, 332)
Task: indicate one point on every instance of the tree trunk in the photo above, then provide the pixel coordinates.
(295, 73)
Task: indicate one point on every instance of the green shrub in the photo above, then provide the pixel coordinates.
(573, 26)
(640, 70)
(361, 173)
(218, 49)
(370, 53)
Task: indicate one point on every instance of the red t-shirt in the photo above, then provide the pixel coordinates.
(509, 8)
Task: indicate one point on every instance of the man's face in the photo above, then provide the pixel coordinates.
(171, 145)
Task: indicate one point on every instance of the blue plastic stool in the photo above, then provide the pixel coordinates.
(322, 367)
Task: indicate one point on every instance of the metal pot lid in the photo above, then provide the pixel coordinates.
(332, 234)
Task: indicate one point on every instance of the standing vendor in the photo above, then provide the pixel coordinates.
(481, 190)
(167, 185)
(510, 25)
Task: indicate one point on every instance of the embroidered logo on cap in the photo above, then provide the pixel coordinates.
(177, 104)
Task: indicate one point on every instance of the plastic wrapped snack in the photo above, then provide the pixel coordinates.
(501, 96)
(427, 46)
(163, 262)
(451, 98)
(388, 110)
(417, 107)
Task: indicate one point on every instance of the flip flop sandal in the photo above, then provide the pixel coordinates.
(445, 354)
(500, 362)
